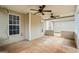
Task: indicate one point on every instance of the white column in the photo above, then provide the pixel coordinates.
(29, 26)
(77, 26)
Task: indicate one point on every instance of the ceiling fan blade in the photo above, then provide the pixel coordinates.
(36, 13)
(42, 13)
(51, 14)
(65, 17)
(34, 9)
(47, 11)
(60, 17)
(53, 17)
(48, 19)
(42, 7)
(57, 16)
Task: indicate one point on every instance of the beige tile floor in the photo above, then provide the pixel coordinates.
(45, 44)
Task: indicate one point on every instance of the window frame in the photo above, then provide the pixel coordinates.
(18, 24)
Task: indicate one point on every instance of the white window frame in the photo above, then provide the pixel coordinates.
(19, 24)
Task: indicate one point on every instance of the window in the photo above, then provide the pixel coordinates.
(48, 25)
(13, 24)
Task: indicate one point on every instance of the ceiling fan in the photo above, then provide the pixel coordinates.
(41, 10)
(57, 17)
(52, 16)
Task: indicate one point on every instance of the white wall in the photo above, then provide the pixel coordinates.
(5, 38)
(36, 27)
(33, 26)
(30, 27)
(3, 25)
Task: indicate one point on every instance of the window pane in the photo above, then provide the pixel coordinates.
(10, 32)
(17, 31)
(10, 19)
(17, 27)
(17, 22)
(14, 32)
(13, 27)
(17, 17)
(14, 19)
(10, 28)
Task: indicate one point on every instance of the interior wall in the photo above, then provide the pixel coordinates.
(64, 26)
(36, 27)
(3, 25)
(5, 38)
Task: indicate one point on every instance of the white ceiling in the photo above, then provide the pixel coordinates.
(56, 9)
